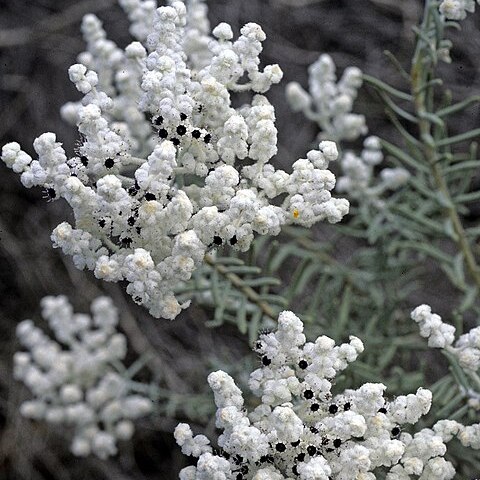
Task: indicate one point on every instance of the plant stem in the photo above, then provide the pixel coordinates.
(238, 283)
(421, 73)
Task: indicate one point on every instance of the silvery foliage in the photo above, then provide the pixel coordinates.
(300, 429)
(166, 168)
(329, 103)
(74, 378)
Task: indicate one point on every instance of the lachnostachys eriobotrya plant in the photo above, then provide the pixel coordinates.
(463, 355)
(78, 379)
(329, 103)
(166, 168)
(299, 428)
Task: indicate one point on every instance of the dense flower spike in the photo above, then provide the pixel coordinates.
(75, 380)
(301, 430)
(329, 104)
(167, 168)
(442, 335)
(359, 180)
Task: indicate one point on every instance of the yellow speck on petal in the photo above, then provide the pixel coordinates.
(105, 270)
(150, 207)
(296, 213)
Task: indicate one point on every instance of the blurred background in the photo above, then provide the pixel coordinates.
(39, 40)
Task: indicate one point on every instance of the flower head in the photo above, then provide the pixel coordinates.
(73, 378)
(301, 429)
(167, 168)
(457, 9)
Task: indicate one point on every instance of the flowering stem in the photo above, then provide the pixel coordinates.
(475, 378)
(109, 244)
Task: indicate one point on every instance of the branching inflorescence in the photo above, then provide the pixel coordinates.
(301, 429)
(464, 353)
(166, 168)
(75, 379)
(329, 104)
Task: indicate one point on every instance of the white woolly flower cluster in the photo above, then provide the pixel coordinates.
(328, 102)
(73, 379)
(442, 335)
(167, 168)
(301, 430)
(359, 180)
(457, 9)
(330, 105)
